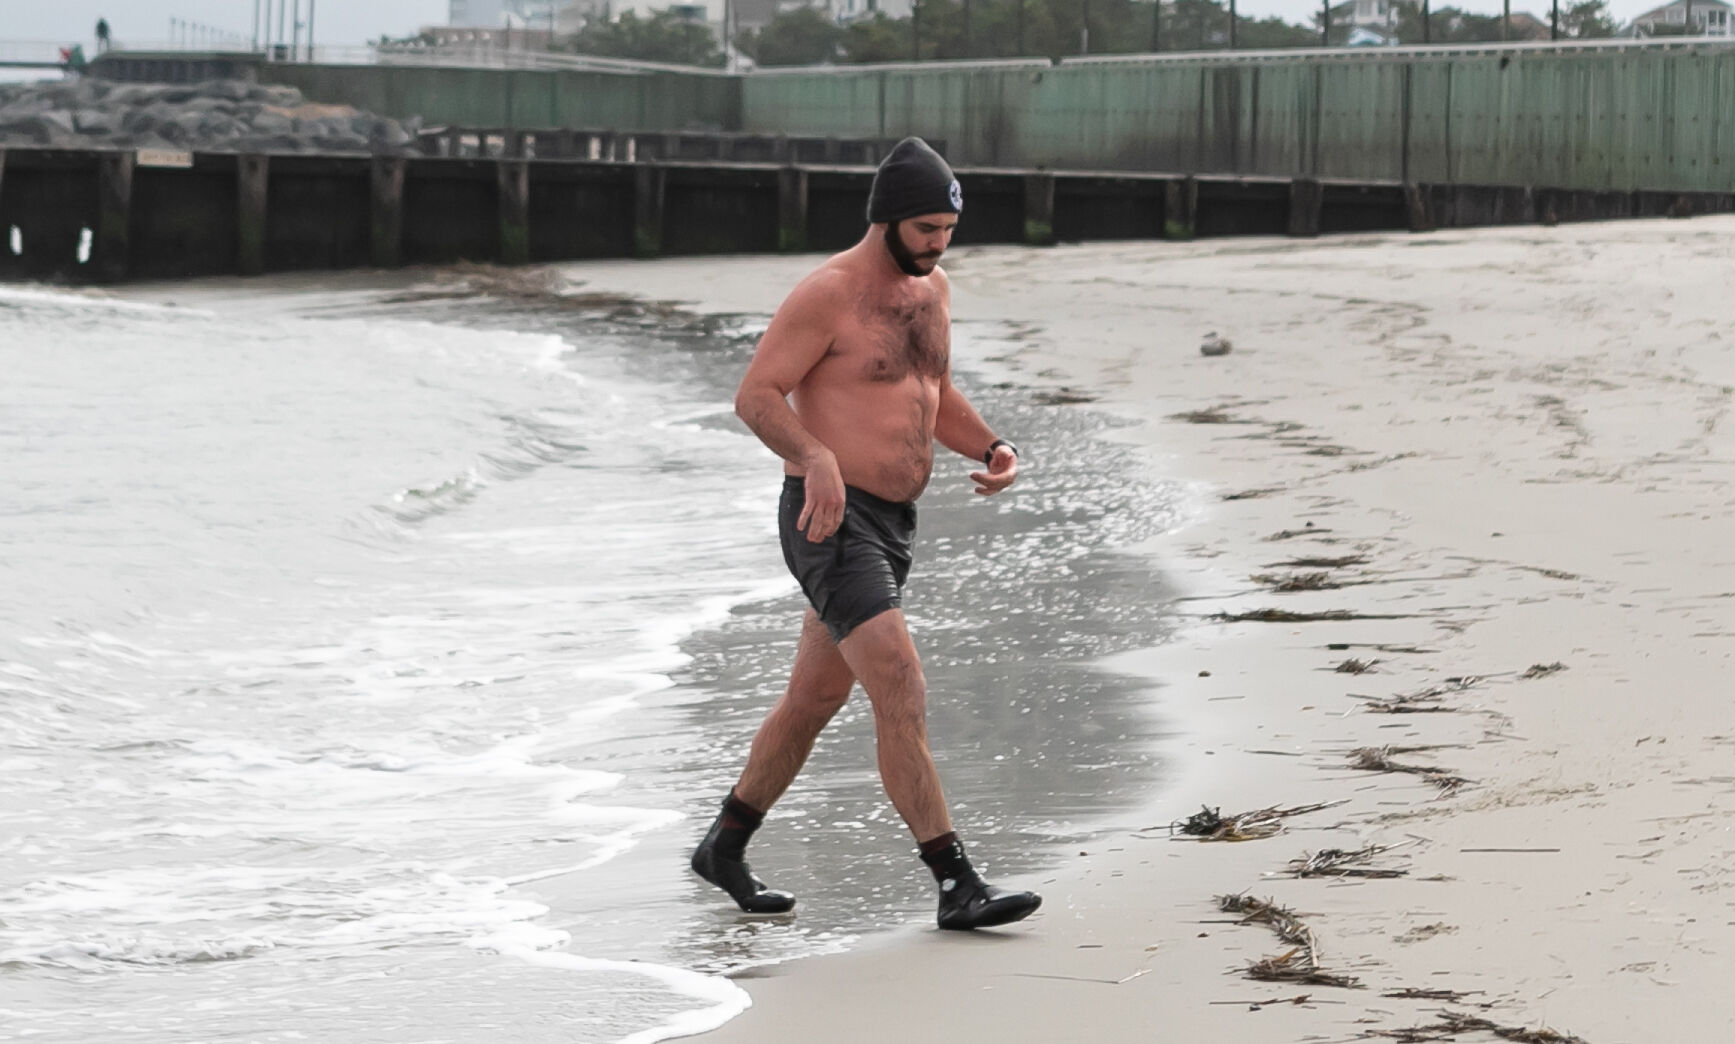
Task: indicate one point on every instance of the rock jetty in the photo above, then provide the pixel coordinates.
(214, 116)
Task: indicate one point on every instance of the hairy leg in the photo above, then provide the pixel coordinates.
(819, 685)
(882, 656)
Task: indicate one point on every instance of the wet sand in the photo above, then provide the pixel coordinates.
(1515, 445)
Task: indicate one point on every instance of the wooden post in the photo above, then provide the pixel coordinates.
(648, 190)
(1039, 209)
(1416, 200)
(1180, 208)
(454, 141)
(791, 209)
(114, 215)
(513, 179)
(386, 211)
(1305, 200)
(252, 178)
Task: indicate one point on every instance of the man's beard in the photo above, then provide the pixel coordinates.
(902, 255)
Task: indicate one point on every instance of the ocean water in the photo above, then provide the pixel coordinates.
(369, 662)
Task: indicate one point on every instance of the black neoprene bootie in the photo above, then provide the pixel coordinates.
(967, 901)
(720, 859)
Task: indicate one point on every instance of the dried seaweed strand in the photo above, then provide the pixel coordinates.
(1452, 1023)
(1209, 824)
(1335, 862)
(1417, 993)
(1286, 616)
(1379, 759)
(1355, 666)
(1415, 703)
(1298, 965)
(1296, 582)
(1320, 562)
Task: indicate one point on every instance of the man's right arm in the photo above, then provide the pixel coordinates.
(799, 335)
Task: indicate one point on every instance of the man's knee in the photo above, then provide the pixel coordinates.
(824, 699)
(899, 694)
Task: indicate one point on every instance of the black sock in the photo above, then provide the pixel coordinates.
(945, 857)
(735, 827)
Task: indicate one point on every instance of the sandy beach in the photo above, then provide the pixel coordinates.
(1495, 468)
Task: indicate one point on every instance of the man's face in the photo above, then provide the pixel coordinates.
(917, 243)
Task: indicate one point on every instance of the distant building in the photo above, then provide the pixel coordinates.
(490, 14)
(497, 38)
(1379, 17)
(1709, 18)
(754, 14)
(1527, 27)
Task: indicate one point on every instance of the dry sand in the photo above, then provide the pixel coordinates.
(1522, 438)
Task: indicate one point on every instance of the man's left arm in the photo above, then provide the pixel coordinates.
(959, 428)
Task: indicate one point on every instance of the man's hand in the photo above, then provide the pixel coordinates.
(1002, 472)
(822, 512)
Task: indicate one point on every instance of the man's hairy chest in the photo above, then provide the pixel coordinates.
(895, 341)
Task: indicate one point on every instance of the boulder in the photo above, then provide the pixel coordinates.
(275, 94)
(96, 122)
(224, 90)
(38, 128)
(271, 122)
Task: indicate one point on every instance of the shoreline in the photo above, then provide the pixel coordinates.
(1519, 439)
(1519, 434)
(507, 286)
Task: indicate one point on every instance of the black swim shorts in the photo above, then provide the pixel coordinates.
(859, 571)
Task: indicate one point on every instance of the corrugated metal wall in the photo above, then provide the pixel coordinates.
(1653, 116)
(526, 98)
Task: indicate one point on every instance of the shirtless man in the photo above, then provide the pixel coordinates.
(851, 385)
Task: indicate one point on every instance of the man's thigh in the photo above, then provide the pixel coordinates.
(820, 671)
(883, 657)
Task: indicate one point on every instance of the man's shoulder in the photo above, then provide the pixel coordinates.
(829, 285)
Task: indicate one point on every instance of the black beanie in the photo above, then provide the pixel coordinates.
(913, 180)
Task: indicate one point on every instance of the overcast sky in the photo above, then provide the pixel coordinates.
(358, 21)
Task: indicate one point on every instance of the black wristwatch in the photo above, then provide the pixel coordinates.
(988, 458)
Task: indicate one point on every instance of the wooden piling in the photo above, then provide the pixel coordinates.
(649, 180)
(791, 210)
(1417, 202)
(110, 250)
(1180, 208)
(1306, 199)
(1039, 209)
(252, 179)
(513, 179)
(386, 211)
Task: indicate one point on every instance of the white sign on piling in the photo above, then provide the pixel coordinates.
(163, 158)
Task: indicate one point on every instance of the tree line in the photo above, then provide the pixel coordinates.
(939, 29)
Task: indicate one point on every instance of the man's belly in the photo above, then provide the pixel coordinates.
(883, 443)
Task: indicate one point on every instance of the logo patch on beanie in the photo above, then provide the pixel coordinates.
(955, 192)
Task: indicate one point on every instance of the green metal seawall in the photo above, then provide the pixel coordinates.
(1623, 116)
(1604, 117)
(524, 98)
